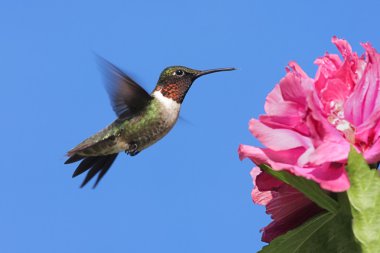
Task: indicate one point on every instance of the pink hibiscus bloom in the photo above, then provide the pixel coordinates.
(308, 129)
(310, 124)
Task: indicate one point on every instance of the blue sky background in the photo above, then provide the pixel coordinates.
(187, 193)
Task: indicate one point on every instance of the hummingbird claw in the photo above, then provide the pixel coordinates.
(133, 150)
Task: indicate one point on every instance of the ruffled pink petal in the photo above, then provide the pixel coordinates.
(297, 69)
(288, 97)
(328, 65)
(295, 89)
(273, 100)
(373, 77)
(278, 139)
(343, 46)
(253, 153)
(275, 104)
(335, 91)
(319, 126)
(259, 197)
(330, 176)
(276, 159)
(335, 80)
(293, 122)
(369, 130)
(330, 151)
(365, 99)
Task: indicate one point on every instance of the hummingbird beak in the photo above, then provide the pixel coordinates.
(206, 72)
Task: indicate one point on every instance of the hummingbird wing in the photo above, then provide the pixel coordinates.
(127, 96)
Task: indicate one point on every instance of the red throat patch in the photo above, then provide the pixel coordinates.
(172, 91)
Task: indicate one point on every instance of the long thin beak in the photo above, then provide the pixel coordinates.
(206, 72)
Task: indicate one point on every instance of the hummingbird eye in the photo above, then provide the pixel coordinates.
(179, 72)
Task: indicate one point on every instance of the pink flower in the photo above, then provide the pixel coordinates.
(310, 124)
(288, 207)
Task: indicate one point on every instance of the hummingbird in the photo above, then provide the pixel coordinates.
(142, 118)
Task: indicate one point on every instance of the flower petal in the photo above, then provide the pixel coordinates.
(309, 128)
(278, 139)
(294, 122)
(330, 151)
(331, 176)
(372, 155)
(261, 197)
(295, 89)
(289, 208)
(365, 99)
(275, 104)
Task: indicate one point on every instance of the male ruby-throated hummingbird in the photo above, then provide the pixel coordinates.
(143, 118)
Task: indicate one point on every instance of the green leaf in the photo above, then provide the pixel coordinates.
(327, 233)
(364, 197)
(307, 187)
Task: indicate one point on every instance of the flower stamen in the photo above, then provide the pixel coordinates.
(336, 118)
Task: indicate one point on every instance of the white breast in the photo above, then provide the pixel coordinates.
(169, 105)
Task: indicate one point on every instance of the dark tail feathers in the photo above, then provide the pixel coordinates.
(92, 164)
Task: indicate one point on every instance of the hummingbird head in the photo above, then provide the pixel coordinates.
(175, 81)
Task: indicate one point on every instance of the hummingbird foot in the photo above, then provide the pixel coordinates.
(133, 149)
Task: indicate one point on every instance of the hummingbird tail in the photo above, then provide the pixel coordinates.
(93, 164)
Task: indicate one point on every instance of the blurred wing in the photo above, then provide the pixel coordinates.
(127, 97)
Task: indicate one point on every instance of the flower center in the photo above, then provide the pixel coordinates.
(336, 118)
